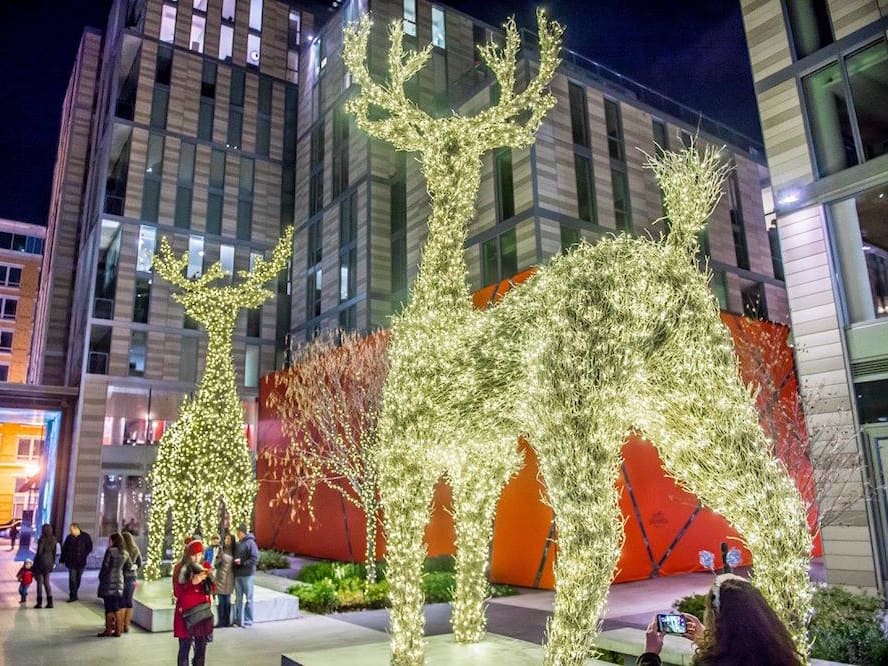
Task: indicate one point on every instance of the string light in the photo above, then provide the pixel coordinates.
(604, 341)
(204, 464)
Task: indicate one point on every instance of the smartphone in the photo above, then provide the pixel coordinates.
(672, 623)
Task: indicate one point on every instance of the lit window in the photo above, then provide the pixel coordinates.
(251, 366)
(168, 24)
(228, 10)
(145, 256)
(254, 43)
(438, 36)
(226, 259)
(200, 5)
(226, 43)
(195, 256)
(410, 17)
(256, 15)
(10, 276)
(198, 28)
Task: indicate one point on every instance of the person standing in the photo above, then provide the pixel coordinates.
(225, 579)
(193, 617)
(25, 577)
(115, 566)
(13, 535)
(129, 579)
(75, 551)
(44, 563)
(246, 557)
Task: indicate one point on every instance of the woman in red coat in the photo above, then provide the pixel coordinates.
(191, 588)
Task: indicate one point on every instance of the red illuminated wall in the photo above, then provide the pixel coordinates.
(665, 526)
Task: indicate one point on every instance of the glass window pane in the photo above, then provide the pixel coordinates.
(569, 237)
(254, 46)
(505, 186)
(226, 41)
(168, 23)
(226, 259)
(205, 119)
(137, 352)
(244, 219)
(810, 25)
(585, 188)
(509, 254)
(235, 128)
(159, 107)
(150, 199)
(214, 213)
(251, 366)
(579, 114)
(410, 17)
(198, 28)
(245, 180)
(217, 169)
(830, 122)
(868, 76)
(228, 7)
(141, 299)
(195, 256)
(188, 359)
(255, 14)
(183, 207)
(186, 164)
(145, 253)
(154, 163)
(489, 262)
(438, 36)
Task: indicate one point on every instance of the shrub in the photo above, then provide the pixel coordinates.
(497, 590)
(439, 563)
(377, 595)
(319, 597)
(272, 559)
(312, 573)
(437, 586)
(694, 605)
(847, 627)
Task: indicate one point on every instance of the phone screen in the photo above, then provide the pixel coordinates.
(672, 623)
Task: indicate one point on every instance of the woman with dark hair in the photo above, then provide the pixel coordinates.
(116, 565)
(193, 617)
(129, 579)
(225, 579)
(44, 563)
(739, 629)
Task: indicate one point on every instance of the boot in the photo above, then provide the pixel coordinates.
(118, 622)
(39, 603)
(127, 618)
(49, 602)
(109, 626)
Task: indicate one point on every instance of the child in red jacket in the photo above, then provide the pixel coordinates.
(25, 577)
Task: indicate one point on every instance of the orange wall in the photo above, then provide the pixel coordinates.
(10, 465)
(676, 529)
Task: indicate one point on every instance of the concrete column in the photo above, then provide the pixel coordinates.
(849, 248)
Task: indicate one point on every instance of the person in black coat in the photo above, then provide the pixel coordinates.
(116, 566)
(75, 551)
(44, 563)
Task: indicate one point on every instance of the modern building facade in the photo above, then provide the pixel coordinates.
(361, 207)
(179, 122)
(821, 76)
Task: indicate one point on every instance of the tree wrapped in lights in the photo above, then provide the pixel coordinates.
(607, 340)
(432, 425)
(204, 463)
(328, 412)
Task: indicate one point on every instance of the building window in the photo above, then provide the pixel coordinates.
(719, 287)
(499, 258)
(200, 5)
(263, 117)
(106, 270)
(207, 101)
(226, 260)
(315, 243)
(185, 186)
(505, 188)
(8, 307)
(195, 257)
(686, 139)
(198, 28)
(256, 15)
(6, 341)
(622, 209)
(348, 318)
(245, 199)
(579, 115)
(4, 372)
(99, 350)
(254, 50)
(398, 229)
(216, 192)
(228, 10)
(809, 25)
(776, 257)
(10, 276)
(661, 137)
(162, 77)
(141, 299)
(316, 169)
(29, 449)
(314, 283)
(438, 30)
(168, 23)
(585, 188)
(294, 39)
(738, 228)
(137, 352)
(153, 176)
(226, 43)
(348, 248)
(145, 251)
(236, 109)
(410, 17)
(188, 355)
(251, 366)
(340, 150)
(615, 144)
(33, 244)
(570, 237)
(754, 305)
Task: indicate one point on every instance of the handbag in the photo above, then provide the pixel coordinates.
(197, 614)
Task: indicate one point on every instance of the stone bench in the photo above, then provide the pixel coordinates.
(153, 608)
(676, 651)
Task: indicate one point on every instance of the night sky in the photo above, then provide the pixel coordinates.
(691, 50)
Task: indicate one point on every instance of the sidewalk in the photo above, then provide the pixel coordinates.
(66, 634)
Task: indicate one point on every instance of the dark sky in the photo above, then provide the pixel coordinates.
(691, 50)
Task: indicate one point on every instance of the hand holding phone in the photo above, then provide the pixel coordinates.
(672, 623)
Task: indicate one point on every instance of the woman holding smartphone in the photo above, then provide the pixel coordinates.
(740, 629)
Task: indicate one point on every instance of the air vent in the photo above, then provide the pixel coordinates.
(874, 367)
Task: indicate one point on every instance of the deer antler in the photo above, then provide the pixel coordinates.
(406, 124)
(500, 124)
(172, 269)
(252, 289)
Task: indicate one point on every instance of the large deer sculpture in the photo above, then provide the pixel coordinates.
(610, 339)
(204, 463)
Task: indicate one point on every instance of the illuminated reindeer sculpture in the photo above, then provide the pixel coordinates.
(204, 462)
(617, 338)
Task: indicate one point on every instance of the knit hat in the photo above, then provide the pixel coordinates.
(29, 561)
(242, 528)
(195, 548)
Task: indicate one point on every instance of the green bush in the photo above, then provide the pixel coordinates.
(439, 563)
(847, 627)
(272, 559)
(377, 595)
(497, 590)
(319, 597)
(312, 573)
(694, 605)
(438, 586)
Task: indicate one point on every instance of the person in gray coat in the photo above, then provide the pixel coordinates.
(44, 563)
(225, 579)
(246, 557)
(116, 565)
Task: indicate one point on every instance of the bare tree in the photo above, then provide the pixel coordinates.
(822, 457)
(328, 411)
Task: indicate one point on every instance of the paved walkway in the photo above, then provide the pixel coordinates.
(66, 634)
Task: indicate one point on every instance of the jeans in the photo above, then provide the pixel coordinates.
(200, 650)
(224, 610)
(23, 591)
(42, 580)
(74, 576)
(243, 612)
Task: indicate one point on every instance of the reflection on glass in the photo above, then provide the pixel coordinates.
(830, 122)
(868, 76)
